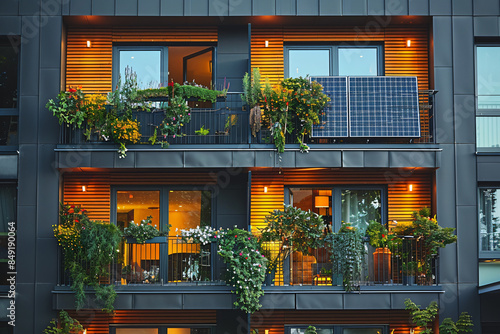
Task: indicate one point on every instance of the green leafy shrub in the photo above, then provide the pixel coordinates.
(64, 325)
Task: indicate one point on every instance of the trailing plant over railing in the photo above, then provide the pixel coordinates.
(89, 247)
(246, 266)
(143, 231)
(185, 91)
(347, 254)
(177, 113)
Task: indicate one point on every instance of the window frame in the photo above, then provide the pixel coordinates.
(338, 328)
(485, 255)
(162, 328)
(117, 48)
(336, 200)
(334, 58)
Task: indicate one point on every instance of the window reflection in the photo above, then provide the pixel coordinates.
(8, 74)
(488, 77)
(489, 219)
(302, 63)
(361, 206)
(357, 61)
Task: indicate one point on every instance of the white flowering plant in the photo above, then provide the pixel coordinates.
(201, 235)
(143, 231)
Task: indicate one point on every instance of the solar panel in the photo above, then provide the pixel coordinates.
(334, 122)
(383, 107)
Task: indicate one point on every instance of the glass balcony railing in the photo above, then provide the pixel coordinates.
(228, 123)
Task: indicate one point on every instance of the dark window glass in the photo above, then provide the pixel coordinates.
(8, 195)
(489, 219)
(8, 130)
(8, 74)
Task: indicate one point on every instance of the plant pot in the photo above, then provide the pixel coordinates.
(269, 280)
(337, 280)
(155, 240)
(382, 265)
(408, 280)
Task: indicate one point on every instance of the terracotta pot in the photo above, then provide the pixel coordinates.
(382, 265)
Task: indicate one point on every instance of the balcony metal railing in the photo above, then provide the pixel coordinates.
(403, 264)
(228, 123)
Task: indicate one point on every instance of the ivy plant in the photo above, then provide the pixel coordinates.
(65, 324)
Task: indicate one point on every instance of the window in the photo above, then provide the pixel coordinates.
(8, 195)
(355, 205)
(489, 222)
(341, 329)
(9, 83)
(344, 60)
(487, 97)
(155, 66)
(175, 261)
(159, 330)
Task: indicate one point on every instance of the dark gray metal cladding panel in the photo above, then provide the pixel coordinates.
(264, 7)
(127, 162)
(278, 301)
(231, 201)
(50, 37)
(466, 183)
(208, 159)
(124, 301)
(417, 7)
(51, 7)
(28, 119)
(444, 118)
(465, 131)
(229, 221)
(463, 55)
(467, 247)
(230, 64)
(80, 7)
(307, 7)
(29, 7)
(462, 7)
(102, 159)
(76, 159)
(148, 8)
(488, 172)
(103, 7)
(48, 126)
(27, 175)
(376, 7)
(440, 7)
(10, 25)
(196, 8)
(172, 8)
(322, 301)
(65, 301)
(376, 159)
(396, 7)
(319, 159)
(486, 26)
(144, 301)
(470, 300)
(48, 192)
(9, 167)
(4, 304)
(442, 41)
(244, 158)
(285, 7)
(353, 159)
(486, 7)
(287, 159)
(264, 158)
(412, 159)
(354, 7)
(209, 301)
(25, 295)
(449, 302)
(126, 7)
(330, 7)
(30, 57)
(26, 244)
(9, 7)
(357, 301)
(46, 267)
(218, 8)
(424, 299)
(238, 7)
(159, 159)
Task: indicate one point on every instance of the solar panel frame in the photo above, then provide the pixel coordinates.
(335, 121)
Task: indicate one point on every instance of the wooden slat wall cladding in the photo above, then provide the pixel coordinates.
(401, 202)
(399, 60)
(96, 198)
(91, 67)
(275, 320)
(97, 322)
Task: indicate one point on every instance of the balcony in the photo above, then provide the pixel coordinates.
(228, 124)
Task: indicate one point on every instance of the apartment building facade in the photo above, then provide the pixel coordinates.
(230, 177)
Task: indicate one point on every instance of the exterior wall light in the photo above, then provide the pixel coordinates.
(88, 44)
(410, 187)
(267, 44)
(265, 190)
(84, 189)
(408, 43)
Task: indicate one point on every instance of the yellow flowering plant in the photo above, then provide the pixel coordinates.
(124, 131)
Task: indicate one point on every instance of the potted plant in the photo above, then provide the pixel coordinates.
(145, 232)
(64, 324)
(347, 255)
(409, 270)
(252, 96)
(379, 237)
(294, 229)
